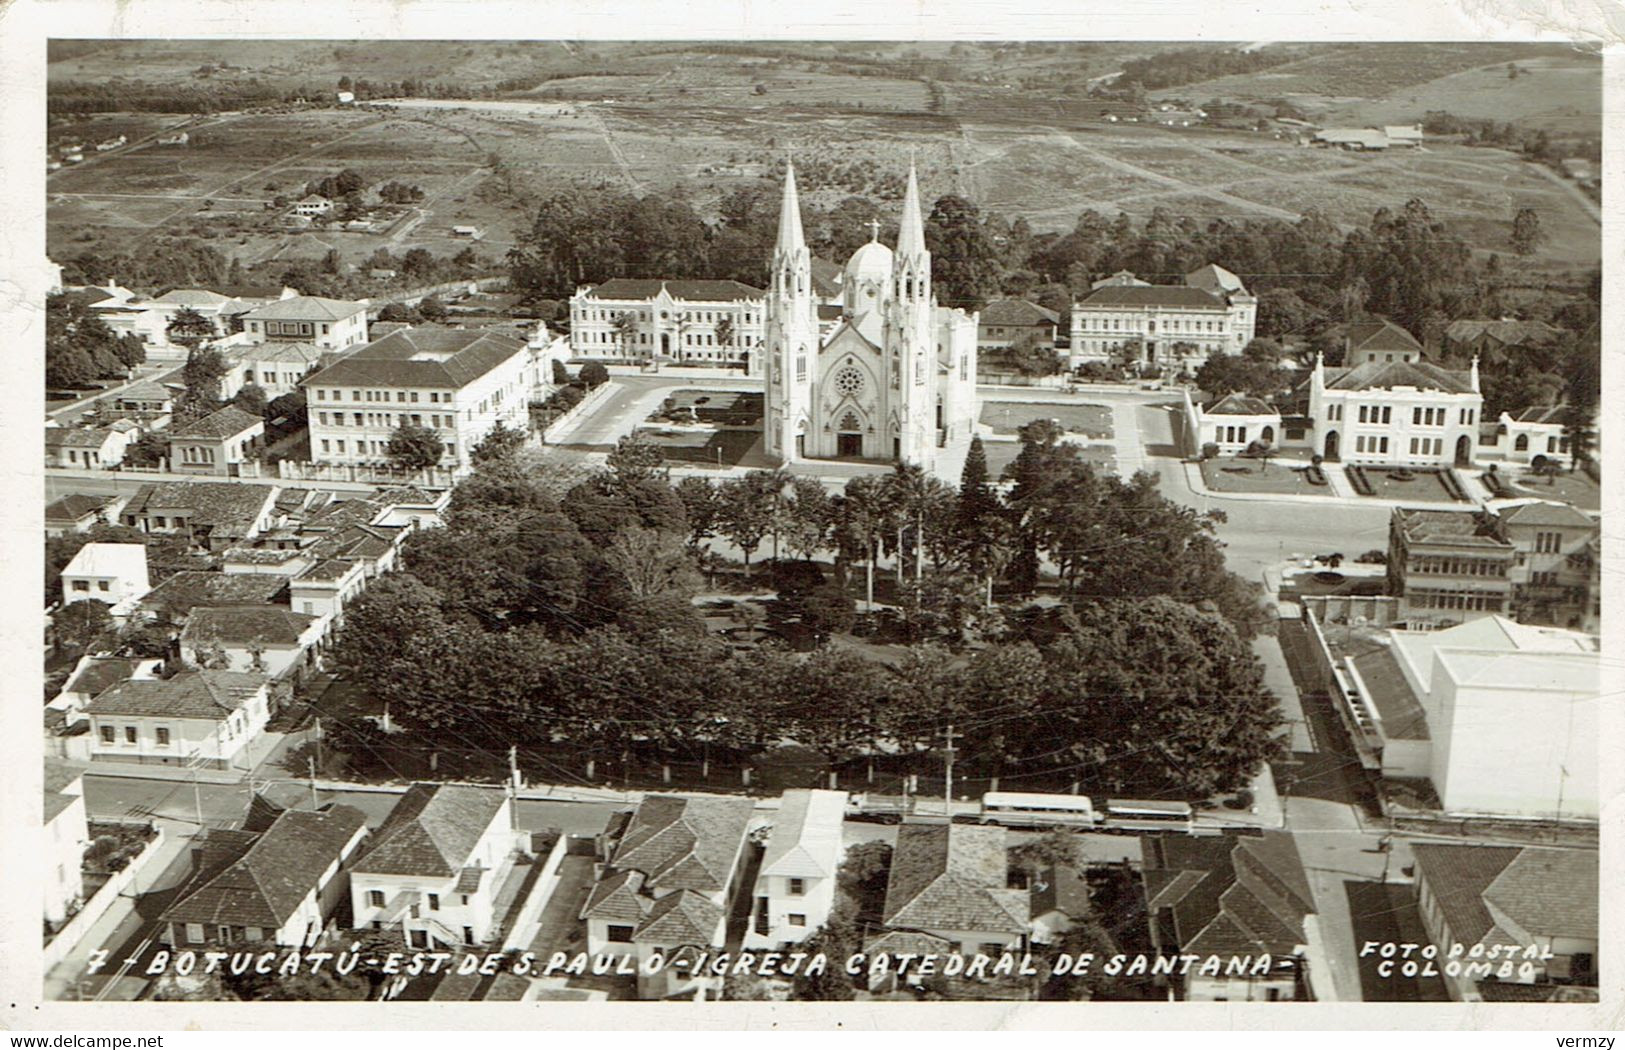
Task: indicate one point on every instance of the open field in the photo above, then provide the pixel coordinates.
(651, 117)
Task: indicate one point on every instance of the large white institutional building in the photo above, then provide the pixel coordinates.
(896, 377)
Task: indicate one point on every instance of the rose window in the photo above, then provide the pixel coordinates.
(848, 382)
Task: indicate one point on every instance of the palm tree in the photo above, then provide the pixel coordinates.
(866, 511)
(912, 491)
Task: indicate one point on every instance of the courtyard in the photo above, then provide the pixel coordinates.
(1572, 487)
(1235, 474)
(716, 448)
(733, 408)
(1419, 485)
(1006, 417)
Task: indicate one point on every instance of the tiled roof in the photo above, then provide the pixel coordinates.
(684, 917)
(952, 877)
(1239, 404)
(1059, 888)
(326, 570)
(468, 880)
(694, 291)
(1215, 279)
(59, 777)
(680, 842)
(1456, 527)
(145, 390)
(432, 831)
(1230, 894)
(262, 813)
(258, 556)
(1169, 295)
(1549, 893)
(1390, 692)
(266, 885)
(76, 437)
(74, 507)
(1386, 375)
(615, 898)
(1509, 332)
(357, 541)
(1543, 512)
(1017, 312)
(193, 297)
(192, 588)
(190, 694)
(220, 504)
(222, 423)
(1540, 414)
(806, 837)
(421, 357)
(896, 942)
(827, 277)
(95, 674)
(307, 308)
(1458, 877)
(1379, 335)
(273, 353)
(237, 625)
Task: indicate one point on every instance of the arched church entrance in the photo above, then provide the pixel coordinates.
(849, 436)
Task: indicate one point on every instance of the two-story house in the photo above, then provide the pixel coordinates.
(331, 324)
(795, 885)
(281, 890)
(434, 868)
(115, 573)
(1007, 322)
(669, 874)
(1379, 341)
(1447, 566)
(1555, 575)
(460, 384)
(197, 717)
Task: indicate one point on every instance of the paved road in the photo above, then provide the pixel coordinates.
(1259, 534)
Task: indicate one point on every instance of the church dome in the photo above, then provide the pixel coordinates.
(872, 262)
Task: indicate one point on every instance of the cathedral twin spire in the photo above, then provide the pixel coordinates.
(792, 240)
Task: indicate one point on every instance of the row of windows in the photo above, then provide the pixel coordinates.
(1456, 600)
(1426, 417)
(1377, 413)
(401, 396)
(131, 735)
(1230, 434)
(268, 377)
(375, 899)
(1436, 566)
(1548, 542)
(364, 446)
(1378, 445)
(84, 585)
(388, 420)
(1175, 324)
(1427, 446)
(602, 316)
(288, 328)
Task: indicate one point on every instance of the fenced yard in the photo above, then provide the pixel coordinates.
(1400, 483)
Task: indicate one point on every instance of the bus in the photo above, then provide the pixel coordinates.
(1022, 809)
(1138, 814)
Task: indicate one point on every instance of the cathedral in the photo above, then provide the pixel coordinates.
(894, 380)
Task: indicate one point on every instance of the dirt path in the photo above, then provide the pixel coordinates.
(614, 147)
(1588, 205)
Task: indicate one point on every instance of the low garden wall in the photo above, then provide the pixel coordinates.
(594, 398)
(86, 917)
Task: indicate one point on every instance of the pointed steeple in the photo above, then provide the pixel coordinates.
(911, 233)
(790, 236)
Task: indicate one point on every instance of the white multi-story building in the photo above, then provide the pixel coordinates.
(1124, 320)
(716, 323)
(460, 384)
(1500, 716)
(65, 838)
(332, 324)
(1410, 413)
(795, 886)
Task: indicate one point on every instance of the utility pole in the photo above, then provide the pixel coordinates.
(948, 785)
(513, 787)
(311, 761)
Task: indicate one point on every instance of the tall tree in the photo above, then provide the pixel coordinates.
(1526, 235)
(415, 448)
(866, 511)
(189, 328)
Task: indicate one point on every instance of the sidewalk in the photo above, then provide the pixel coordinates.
(244, 765)
(1126, 438)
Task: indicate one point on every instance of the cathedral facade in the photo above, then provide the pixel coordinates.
(894, 380)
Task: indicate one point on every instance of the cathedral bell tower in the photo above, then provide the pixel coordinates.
(791, 332)
(911, 342)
